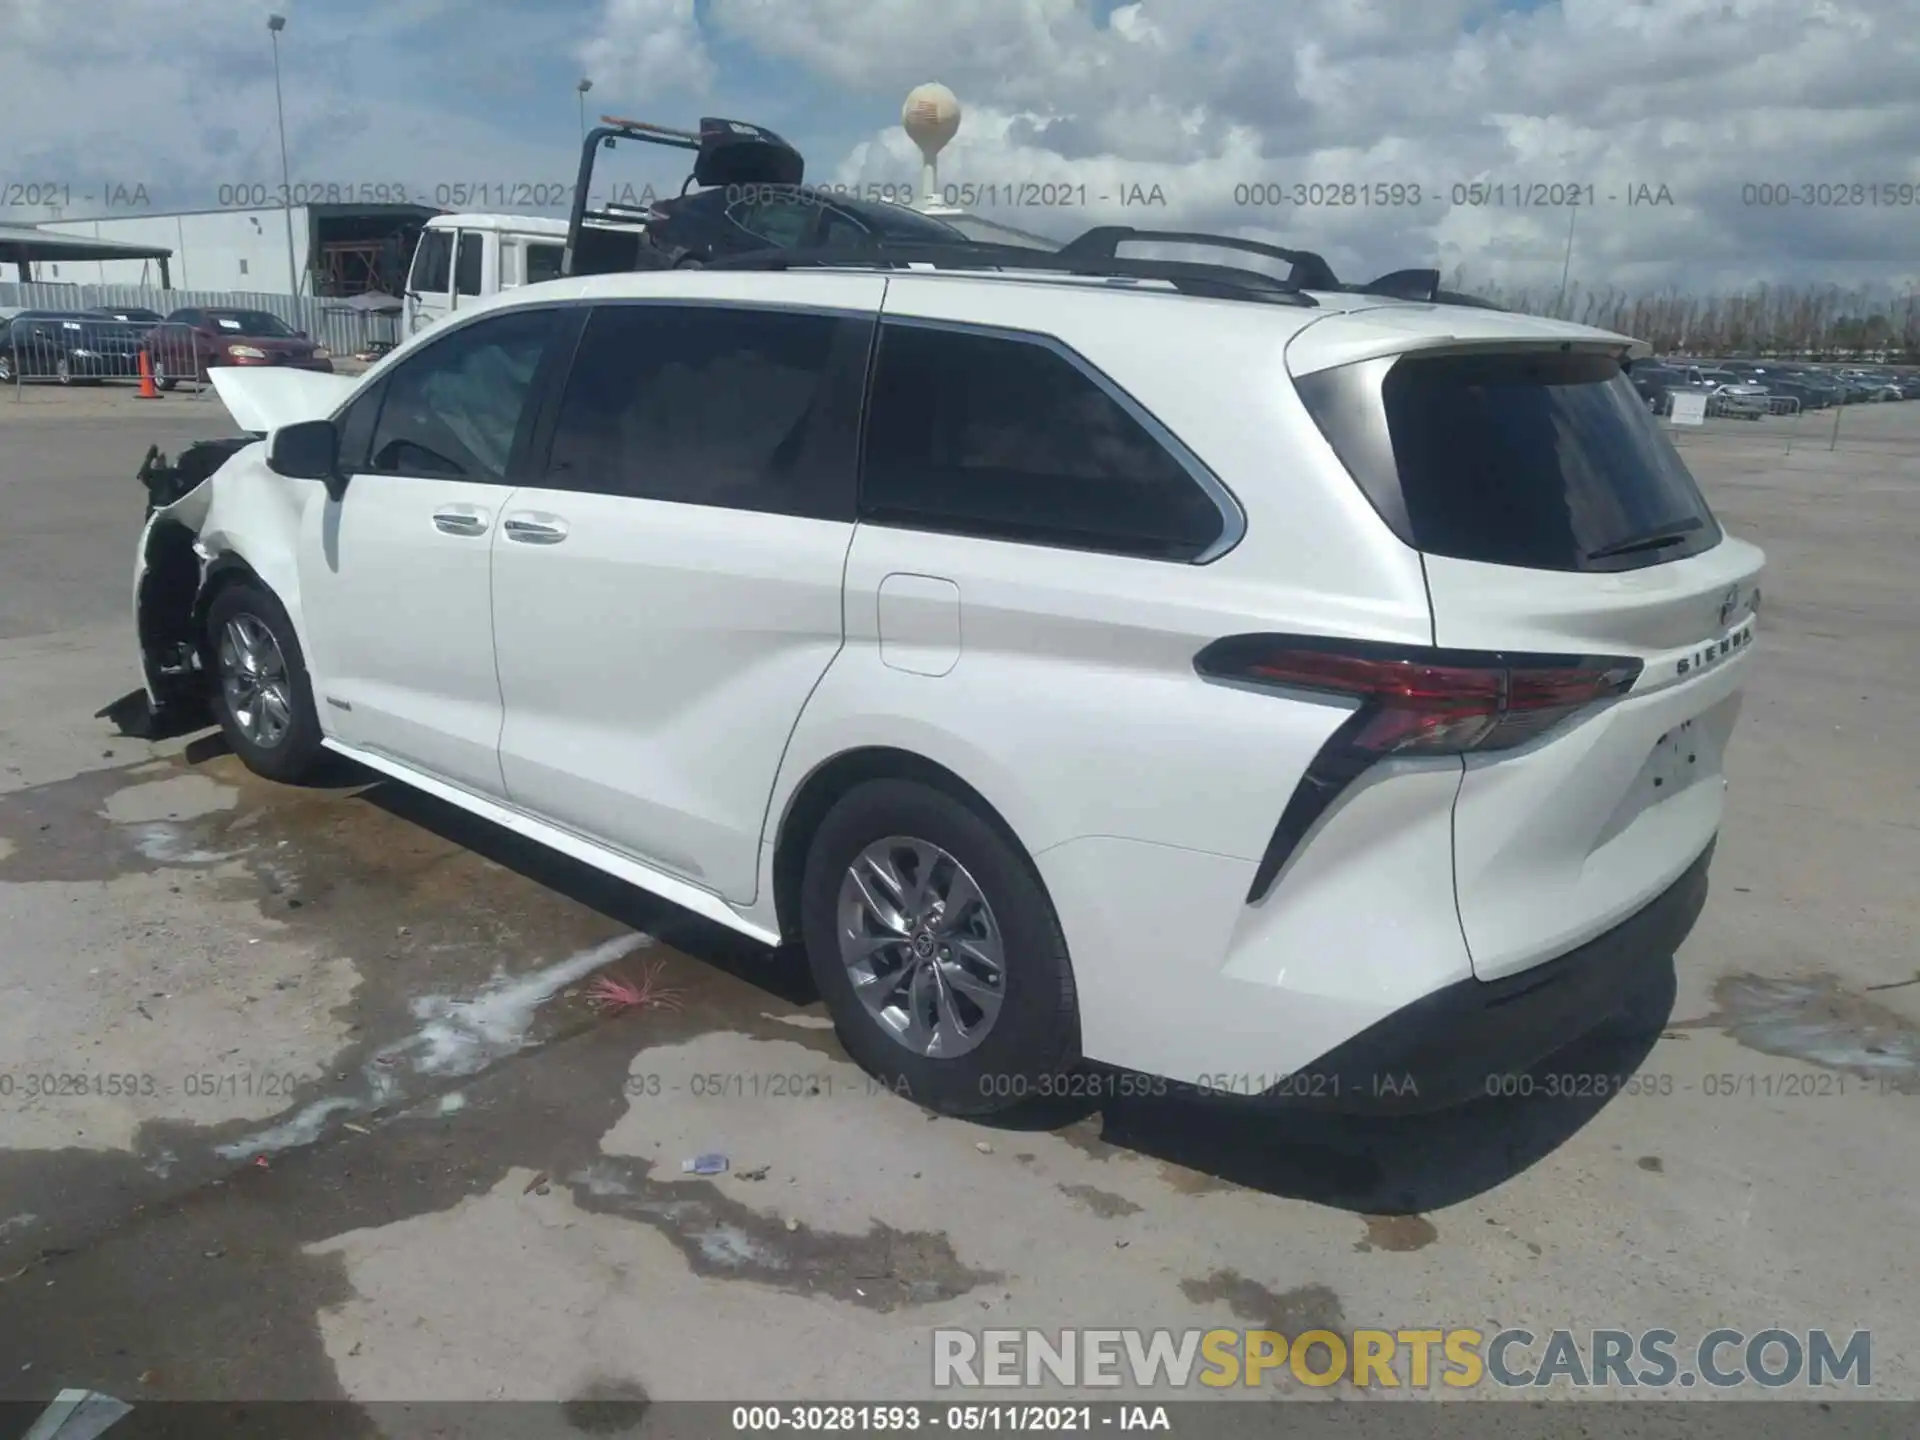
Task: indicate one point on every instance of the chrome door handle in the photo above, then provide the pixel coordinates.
(536, 529)
(460, 522)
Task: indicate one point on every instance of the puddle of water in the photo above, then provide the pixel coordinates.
(730, 1245)
(179, 797)
(1818, 1021)
(1290, 1312)
(1398, 1233)
(724, 1237)
(1104, 1203)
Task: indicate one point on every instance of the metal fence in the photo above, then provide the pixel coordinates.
(70, 350)
(1888, 430)
(330, 322)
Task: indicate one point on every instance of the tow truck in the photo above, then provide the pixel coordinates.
(608, 240)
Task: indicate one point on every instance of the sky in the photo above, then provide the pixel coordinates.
(1713, 144)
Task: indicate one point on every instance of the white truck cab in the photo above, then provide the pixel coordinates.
(462, 259)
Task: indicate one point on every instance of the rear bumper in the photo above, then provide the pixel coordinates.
(1457, 1043)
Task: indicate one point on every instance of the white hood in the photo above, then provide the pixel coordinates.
(265, 399)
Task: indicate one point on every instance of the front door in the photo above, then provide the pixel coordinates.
(470, 268)
(430, 282)
(669, 594)
(396, 578)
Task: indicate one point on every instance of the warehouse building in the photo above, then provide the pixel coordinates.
(338, 250)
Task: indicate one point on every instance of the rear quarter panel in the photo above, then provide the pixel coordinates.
(1144, 794)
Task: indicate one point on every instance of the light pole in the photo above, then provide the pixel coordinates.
(1566, 261)
(275, 24)
(581, 90)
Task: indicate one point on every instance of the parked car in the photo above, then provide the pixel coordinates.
(1051, 691)
(696, 228)
(1728, 394)
(1819, 391)
(127, 313)
(1875, 385)
(1780, 384)
(1655, 384)
(192, 342)
(70, 346)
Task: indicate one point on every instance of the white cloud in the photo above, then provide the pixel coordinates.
(1202, 98)
(1206, 97)
(649, 47)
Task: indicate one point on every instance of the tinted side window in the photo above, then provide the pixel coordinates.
(432, 262)
(781, 221)
(840, 231)
(356, 428)
(466, 273)
(1006, 438)
(543, 262)
(707, 405)
(455, 409)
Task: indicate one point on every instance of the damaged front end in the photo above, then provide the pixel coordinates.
(169, 576)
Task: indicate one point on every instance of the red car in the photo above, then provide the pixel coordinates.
(190, 342)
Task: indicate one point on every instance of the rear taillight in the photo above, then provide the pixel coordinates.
(1408, 701)
(1424, 701)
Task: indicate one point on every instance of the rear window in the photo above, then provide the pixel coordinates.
(1546, 461)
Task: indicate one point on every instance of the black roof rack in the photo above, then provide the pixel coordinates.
(1221, 282)
(1310, 271)
(1103, 242)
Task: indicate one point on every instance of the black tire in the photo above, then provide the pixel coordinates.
(690, 262)
(63, 370)
(160, 376)
(6, 370)
(1036, 1036)
(294, 753)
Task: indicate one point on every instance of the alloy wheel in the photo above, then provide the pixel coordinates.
(921, 946)
(253, 678)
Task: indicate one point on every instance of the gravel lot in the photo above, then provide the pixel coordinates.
(471, 1195)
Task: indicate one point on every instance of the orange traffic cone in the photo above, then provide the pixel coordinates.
(148, 390)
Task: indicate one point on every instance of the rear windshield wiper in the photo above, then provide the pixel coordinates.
(1653, 540)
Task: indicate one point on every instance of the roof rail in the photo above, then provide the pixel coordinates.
(1310, 271)
(1221, 282)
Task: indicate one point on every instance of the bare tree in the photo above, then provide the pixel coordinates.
(1805, 321)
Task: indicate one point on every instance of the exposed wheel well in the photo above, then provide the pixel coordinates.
(821, 790)
(228, 569)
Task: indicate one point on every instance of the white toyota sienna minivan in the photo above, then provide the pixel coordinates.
(1283, 688)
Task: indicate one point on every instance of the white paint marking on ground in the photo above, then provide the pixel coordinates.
(462, 1037)
(459, 1037)
(164, 844)
(800, 1022)
(306, 1126)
